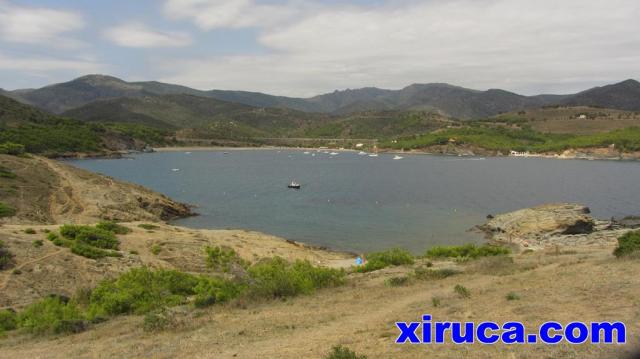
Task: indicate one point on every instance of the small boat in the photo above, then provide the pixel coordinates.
(362, 153)
(397, 157)
(175, 169)
(306, 152)
(373, 155)
(294, 185)
(333, 153)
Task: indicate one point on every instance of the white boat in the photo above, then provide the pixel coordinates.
(333, 153)
(306, 152)
(175, 169)
(397, 157)
(362, 153)
(294, 185)
(373, 155)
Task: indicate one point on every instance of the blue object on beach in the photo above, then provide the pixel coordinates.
(358, 261)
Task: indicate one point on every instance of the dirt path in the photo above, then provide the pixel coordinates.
(8, 274)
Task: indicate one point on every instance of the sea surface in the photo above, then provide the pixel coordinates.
(361, 203)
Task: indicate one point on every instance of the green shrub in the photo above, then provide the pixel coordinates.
(436, 302)
(6, 210)
(462, 291)
(156, 249)
(52, 236)
(6, 257)
(90, 252)
(397, 281)
(141, 291)
(37, 243)
(147, 226)
(51, 315)
(340, 352)
(211, 291)
(113, 227)
(276, 278)
(628, 244)
(6, 173)
(96, 237)
(512, 296)
(223, 259)
(30, 231)
(7, 320)
(466, 251)
(10, 148)
(379, 260)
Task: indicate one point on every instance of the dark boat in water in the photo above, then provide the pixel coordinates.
(294, 185)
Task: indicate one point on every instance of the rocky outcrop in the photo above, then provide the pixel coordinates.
(550, 225)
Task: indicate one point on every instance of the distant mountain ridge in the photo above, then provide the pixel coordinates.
(446, 99)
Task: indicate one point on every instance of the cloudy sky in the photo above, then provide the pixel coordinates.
(306, 47)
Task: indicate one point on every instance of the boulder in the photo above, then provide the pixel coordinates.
(532, 225)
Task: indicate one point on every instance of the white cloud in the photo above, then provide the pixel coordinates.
(46, 64)
(527, 46)
(212, 14)
(37, 25)
(140, 36)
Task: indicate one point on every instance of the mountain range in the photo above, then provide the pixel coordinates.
(445, 99)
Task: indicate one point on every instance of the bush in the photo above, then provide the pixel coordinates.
(6, 210)
(340, 352)
(156, 249)
(6, 173)
(466, 251)
(37, 243)
(211, 291)
(6, 257)
(628, 244)
(7, 320)
(141, 291)
(51, 315)
(90, 252)
(276, 278)
(223, 259)
(512, 296)
(30, 231)
(113, 227)
(379, 260)
(10, 148)
(91, 236)
(462, 291)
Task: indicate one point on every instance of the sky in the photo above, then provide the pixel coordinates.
(306, 47)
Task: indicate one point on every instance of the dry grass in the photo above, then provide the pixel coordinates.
(361, 315)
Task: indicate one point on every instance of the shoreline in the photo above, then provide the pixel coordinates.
(628, 156)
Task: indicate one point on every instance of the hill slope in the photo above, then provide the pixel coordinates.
(451, 100)
(41, 132)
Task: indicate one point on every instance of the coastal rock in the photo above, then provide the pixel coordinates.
(539, 226)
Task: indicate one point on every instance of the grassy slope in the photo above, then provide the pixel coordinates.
(575, 285)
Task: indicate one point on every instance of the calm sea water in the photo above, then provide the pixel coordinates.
(359, 203)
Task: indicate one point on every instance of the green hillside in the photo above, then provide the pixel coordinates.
(40, 132)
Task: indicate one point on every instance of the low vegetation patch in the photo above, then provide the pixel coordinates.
(10, 148)
(224, 259)
(628, 245)
(52, 315)
(114, 227)
(87, 241)
(466, 251)
(392, 257)
(155, 249)
(6, 210)
(7, 173)
(37, 243)
(7, 320)
(30, 231)
(462, 291)
(341, 352)
(277, 278)
(6, 257)
(512, 296)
